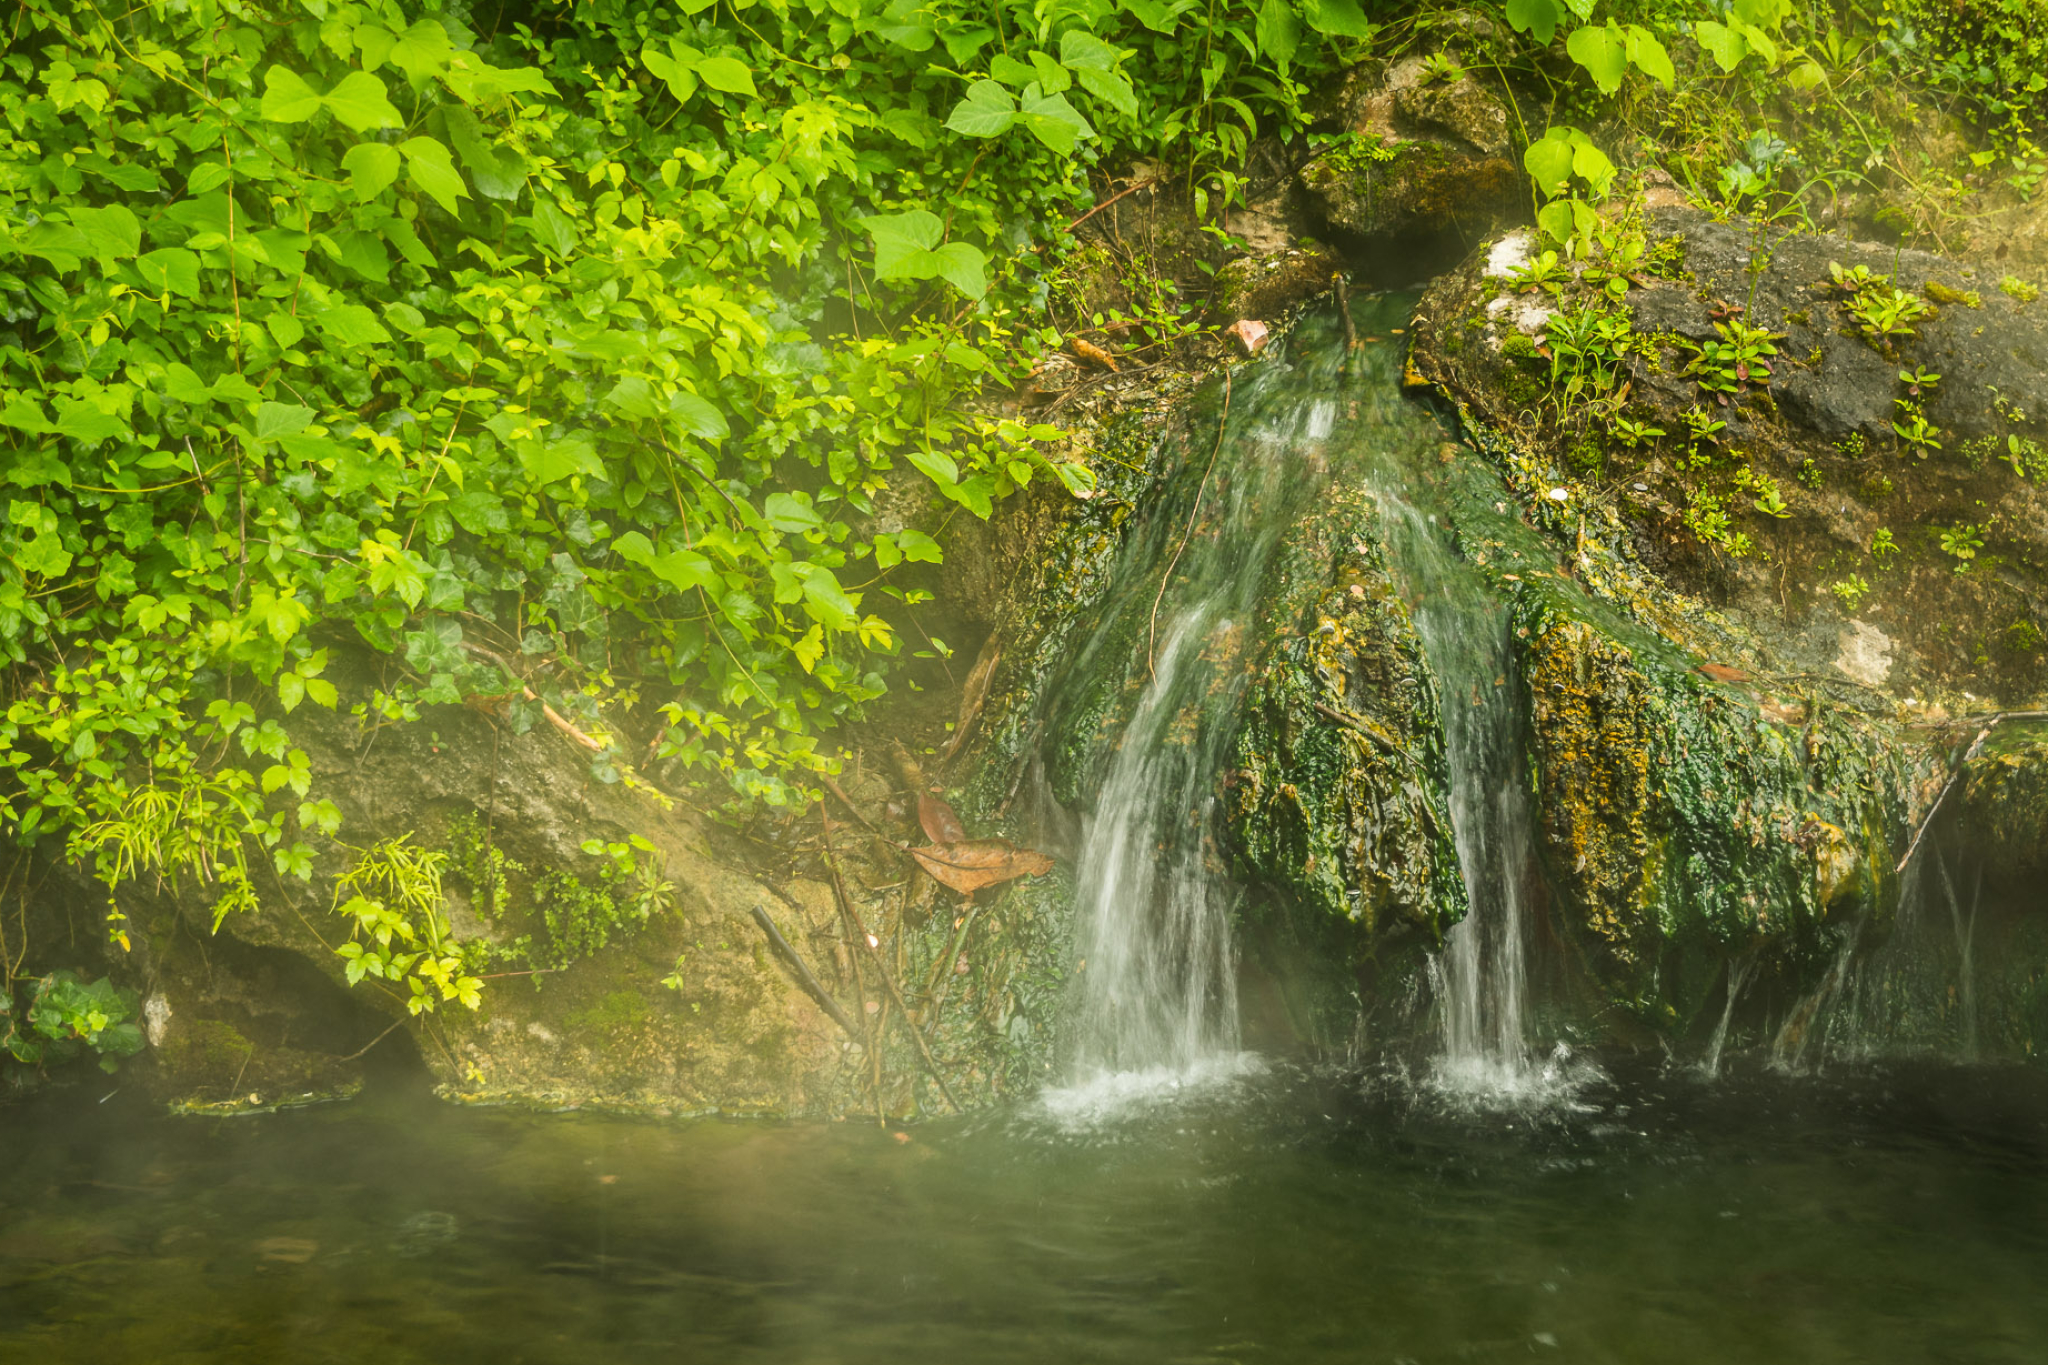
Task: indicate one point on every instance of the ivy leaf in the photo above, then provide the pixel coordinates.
(1278, 31)
(287, 98)
(1337, 18)
(480, 513)
(1537, 18)
(371, 167)
(1007, 69)
(430, 168)
(988, 111)
(726, 74)
(361, 104)
(1600, 49)
(1722, 43)
(1081, 50)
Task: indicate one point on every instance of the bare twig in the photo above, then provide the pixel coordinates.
(805, 977)
(1120, 194)
(1344, 312)
(867, 946)
(1152, 629)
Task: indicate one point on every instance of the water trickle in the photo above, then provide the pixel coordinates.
(1739, 970)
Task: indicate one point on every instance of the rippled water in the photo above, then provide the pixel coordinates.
(1270, 1215)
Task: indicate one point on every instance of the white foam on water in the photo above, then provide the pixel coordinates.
(1109, 1097)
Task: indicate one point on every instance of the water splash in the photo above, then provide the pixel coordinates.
(1739, 970)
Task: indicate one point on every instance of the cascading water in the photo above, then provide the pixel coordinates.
(1155, 996)
(1482, 972)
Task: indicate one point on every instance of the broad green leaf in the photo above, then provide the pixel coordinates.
(113, 232)
(1649, 55)
(726, 74)
(1052, 120)
(480, 512)
(553, 229)
(422, 51)
(680, 569)
(898, 234)
(1537, 18)
(825, 601)
(281, 419)
(633, 396)
(288, 330)
(375, 43)
(364, 253)
(1112, 88)
(371, 167)
(552, 461)
(350, 325)
(1279, 30)
(1760, 42)
(1765, 14)
(1083, 51)
(1601, 50)
(1011, 72)
(961, 266)
(83, 421)
(697, 417)
(987, 111)
(1052, 77)
(1161, 16)
(1591, 165)
(287, 98)
(1549, 161)
(790, 513)
(677, 71)
(918, 547)
(169, 270)
(1582, 8)
(1337, 18)
(1722, 43)
(497, 175)
(429, 167)
(359, 102)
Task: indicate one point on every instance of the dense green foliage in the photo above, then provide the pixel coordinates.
(558, 357)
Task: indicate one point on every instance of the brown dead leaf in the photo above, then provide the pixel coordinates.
(1723, 673)
(1250, 333)
(940, 822)
(1093, 354)
(972, 693)
(972, 864)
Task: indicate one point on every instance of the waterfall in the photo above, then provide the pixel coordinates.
(1154, 996)
(1481, 974)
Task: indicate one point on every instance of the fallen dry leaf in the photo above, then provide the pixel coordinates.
(1251, 332)
(1723, 673)
(940, 822)
(972, 694)
(1093, 354)
(974, 863)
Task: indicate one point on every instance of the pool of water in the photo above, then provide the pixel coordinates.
(1264, 1214)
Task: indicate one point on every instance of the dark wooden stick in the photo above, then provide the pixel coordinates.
(1111, 200)
(804, 976)
(1344, 312)
(867, 946)
(1976, 747)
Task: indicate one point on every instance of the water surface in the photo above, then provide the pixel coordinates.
(1873, 1215)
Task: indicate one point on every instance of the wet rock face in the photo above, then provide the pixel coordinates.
(1337, 800)
(1949, 539)
(1417, 159)
(1266, 287)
